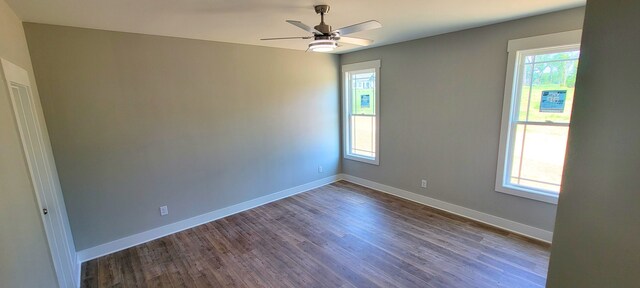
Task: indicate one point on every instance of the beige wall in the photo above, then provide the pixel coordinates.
(139, 121)
(440, 108)
(25, 260)
(597, 240)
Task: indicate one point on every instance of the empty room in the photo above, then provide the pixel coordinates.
(211, 143)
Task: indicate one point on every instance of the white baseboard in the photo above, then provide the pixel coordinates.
(512, 226)
(146, 236)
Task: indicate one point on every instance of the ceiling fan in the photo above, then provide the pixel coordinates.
(325, 39)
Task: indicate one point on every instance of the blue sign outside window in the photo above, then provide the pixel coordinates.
(553, 101)
(364, 101)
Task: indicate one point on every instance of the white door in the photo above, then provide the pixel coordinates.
(43, 175)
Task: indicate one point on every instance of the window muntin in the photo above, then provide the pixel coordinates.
(361, 111)
(537, 115)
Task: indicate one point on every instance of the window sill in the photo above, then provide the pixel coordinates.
(372, 161)
(530, 194)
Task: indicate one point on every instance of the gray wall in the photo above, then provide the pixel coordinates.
(441, 104)
(597, 239)
(25, 260)
(139, 121)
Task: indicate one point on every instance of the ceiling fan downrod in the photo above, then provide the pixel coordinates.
(322, 27)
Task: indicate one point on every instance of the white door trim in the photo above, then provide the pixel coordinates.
(45, 183)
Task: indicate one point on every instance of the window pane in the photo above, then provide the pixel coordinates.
(363, 101)
(548, 89)
(538, 156)
(363, 130)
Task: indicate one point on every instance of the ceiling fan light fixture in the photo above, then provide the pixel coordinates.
(323, 45)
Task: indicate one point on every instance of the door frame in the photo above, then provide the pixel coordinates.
(62, 250)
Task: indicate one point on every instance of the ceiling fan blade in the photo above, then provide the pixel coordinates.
(368, 25)
(303, 26)
(355, 41)
(285, 38)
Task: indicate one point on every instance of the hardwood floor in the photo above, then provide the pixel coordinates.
(339, 235)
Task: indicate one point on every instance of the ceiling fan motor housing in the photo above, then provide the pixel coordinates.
(324, 37)
(324, 28)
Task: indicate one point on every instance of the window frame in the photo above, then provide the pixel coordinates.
(517, 49)
(347, 70)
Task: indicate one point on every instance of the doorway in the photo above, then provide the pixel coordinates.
(44, 178)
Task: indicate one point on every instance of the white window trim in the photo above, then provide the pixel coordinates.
(375, 64)
(516, 48)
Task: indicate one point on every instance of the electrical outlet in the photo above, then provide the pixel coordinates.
(423, 184)
(164, 210)
(320, 169)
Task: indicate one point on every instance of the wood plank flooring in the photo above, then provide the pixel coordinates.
(339, 235)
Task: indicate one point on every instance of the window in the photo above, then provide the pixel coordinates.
(536, 115)
(361, 111)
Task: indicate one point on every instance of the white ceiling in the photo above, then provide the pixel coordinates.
(246, 21)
